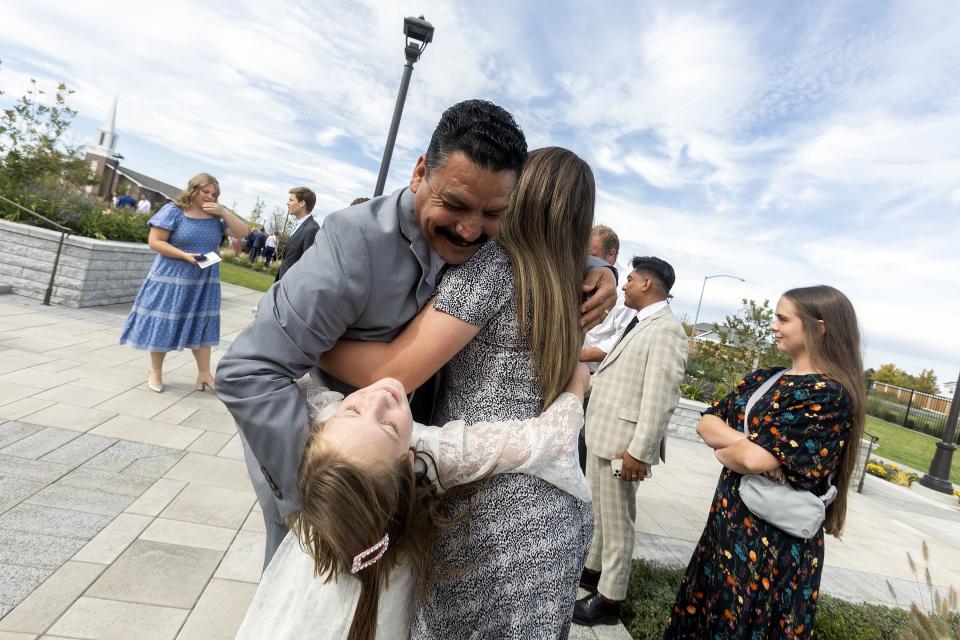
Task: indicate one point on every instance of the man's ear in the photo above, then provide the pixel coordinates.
(419, 173)
(411, 455)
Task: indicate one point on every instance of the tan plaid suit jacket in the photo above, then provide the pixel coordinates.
(636, 389)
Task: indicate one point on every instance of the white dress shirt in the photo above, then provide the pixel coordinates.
(604, 336)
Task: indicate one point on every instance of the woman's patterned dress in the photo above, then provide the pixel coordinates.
(518, 551)
(747, 579)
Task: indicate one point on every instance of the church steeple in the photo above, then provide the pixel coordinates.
(106, 145)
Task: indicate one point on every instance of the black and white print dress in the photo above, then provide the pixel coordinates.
(509, 568)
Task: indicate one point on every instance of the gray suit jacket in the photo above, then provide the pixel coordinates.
(636, 389)
(362, 279)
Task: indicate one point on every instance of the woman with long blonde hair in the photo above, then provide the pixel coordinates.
(504, 328)
(178, 305)
(748, 578)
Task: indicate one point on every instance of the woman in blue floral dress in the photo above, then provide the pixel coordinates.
(178, 305)
(748, 580)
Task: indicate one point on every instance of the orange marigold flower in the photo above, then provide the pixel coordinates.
(747, 523)
(773, 431)
(723, 501)
(815, 407)
(765, 583)
(753, 556)
(691, 609)
(728, 615)
(824, 453)
(798, 629)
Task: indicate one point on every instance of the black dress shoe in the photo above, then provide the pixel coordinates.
(595, 610)
(589, 580)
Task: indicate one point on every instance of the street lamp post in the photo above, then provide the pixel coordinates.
(938, 477)
(419, 32)
(696, 319)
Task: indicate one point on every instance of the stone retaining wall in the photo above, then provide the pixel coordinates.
(683, 424)
(91, 272)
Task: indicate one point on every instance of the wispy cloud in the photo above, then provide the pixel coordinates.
(788, 143)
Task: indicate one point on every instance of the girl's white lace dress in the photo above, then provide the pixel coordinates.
(292, 603)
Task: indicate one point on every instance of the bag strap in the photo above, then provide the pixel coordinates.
(759, 393)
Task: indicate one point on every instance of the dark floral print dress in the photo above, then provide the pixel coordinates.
(747, 579)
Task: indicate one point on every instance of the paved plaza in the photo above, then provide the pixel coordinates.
(126, 514)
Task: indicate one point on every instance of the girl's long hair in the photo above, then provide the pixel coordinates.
(546, 232)
(835, 350)
(197, 182)
(345, 509)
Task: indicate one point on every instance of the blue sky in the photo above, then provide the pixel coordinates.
(788, 143)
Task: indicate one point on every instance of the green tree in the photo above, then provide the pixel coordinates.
(256, 214)
(31, 141)
(745, 344)
(925, 381)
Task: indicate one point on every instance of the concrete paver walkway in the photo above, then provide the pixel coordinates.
(129, 514)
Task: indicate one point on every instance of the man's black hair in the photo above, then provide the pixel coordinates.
(659, 269)
(485, 133)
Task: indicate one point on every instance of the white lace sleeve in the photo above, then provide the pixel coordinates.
(545, 447)
(321, 401)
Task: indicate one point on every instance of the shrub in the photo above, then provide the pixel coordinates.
(696, 388)
(891, 473)
(82, 214)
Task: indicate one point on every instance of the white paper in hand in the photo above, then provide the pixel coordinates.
(209, 260)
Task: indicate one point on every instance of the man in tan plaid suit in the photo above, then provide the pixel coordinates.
(633, 395)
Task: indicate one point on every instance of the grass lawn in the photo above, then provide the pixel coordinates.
(907, 447)
(243, 277)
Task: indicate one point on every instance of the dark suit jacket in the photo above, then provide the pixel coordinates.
(298, 243)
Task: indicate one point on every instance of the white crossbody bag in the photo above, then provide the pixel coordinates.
(794, 511)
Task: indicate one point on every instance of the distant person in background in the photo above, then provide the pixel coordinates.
(178, 305)
(248, 240)
(144, 205)
(357, 201)
(258, 243)
(304, 230)
(126, 200)
(269, 248)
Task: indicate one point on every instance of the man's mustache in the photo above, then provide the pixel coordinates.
(457, 239)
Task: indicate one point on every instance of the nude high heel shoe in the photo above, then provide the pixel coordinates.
(155, 380)
(204, 381)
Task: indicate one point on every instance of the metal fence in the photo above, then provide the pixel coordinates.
(912, 409)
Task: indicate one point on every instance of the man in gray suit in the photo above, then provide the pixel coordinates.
(370, 270)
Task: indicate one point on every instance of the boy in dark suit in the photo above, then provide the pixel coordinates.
(305, 227)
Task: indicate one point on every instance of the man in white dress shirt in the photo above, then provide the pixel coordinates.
(599, 341)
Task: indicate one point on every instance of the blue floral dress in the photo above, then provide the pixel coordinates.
(747, 579)
(178, 305)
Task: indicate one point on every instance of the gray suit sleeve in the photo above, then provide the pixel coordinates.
(597, 263)
(298, 320)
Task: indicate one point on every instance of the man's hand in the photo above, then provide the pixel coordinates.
(602, 286)
(633, 470)
(592, 354)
